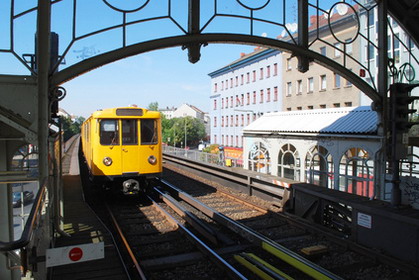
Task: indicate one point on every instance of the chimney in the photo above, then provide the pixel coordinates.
(242, 54)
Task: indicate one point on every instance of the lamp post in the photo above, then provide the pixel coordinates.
(185, 132)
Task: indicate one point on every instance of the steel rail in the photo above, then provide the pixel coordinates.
(272, 247)
(219, 261)
(127, 246)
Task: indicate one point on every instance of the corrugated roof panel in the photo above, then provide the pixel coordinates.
(348, 120)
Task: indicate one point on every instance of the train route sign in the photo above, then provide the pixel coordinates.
(75, 254)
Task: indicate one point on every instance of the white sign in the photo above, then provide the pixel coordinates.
(364, 220)
(75, 254)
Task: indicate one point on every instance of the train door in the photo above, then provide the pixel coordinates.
(129, 148)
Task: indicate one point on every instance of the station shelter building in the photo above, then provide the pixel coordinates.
(336, 148)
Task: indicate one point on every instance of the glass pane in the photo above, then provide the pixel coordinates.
(109, 134)
(129, 132)
(148, 132)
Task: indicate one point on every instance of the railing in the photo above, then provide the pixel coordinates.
(33, 218)
(209, 158)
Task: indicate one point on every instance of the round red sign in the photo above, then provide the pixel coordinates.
(75, 254)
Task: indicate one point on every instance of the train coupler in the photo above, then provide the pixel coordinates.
(130, 186)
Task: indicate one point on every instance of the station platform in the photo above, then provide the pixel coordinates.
(83, 227)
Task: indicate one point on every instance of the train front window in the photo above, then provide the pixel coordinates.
(129, 132)
(148, 132)
(109, 134)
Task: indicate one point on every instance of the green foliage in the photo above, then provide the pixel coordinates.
(213, 148)
(153, 106)
(71, 128)
(174, 131)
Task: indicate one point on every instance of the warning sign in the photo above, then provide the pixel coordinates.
(75, 254)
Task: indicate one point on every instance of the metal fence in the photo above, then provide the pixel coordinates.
(217, 159)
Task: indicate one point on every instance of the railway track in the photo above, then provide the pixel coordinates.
(194, 231)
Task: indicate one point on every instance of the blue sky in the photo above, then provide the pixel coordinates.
(163, 76)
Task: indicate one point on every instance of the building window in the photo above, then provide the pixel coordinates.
(222, 139)
(215, 87)
(370, 52)
(222, 103)
(237, 140)
(289, 88)
(226, 121)
(396, 49)
(254, 76)
(268, 95)
(222, 121)
(237, 120)
(261, 96)
(215, 121)
(348, 104)
(261, 74)
(231, 82)
(226, 140)
(248, 98)
(289, 163)
(242, 79)
(348, 45)
(259, 159)
(310, 107)
(215, 104)
(237, 101)
(337, 80)
(215, 139)
(299, 87)
(248, 119)
(337, 49)
(226, 102)
(319, 167)
(247, 77)
(242, 116)
(288, 66)
(356, 172)
(289, 109)
(231, 120)
(371, 18)
(254, 97)
(231, 101)
(268, 71)
(299, 108)
(275, 69)
(336, 105)
(310, 85)
(231, 140)
(275, 93)
(323, 51)
(226, 84)
(242, 100)
(323, 106)
(323, 82)
(222, 85)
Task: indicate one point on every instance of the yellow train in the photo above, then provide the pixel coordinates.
(122, 147)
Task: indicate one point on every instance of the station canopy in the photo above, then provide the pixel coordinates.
(348, 120)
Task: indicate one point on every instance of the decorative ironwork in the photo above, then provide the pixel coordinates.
(111, 25)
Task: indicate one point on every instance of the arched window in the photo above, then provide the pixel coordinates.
(289, 163)
(319, 167)
(356, 172)
(259, 159)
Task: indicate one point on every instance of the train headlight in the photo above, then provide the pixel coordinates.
(152, 160)
(107, 161)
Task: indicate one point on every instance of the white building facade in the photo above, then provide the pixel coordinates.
(243, 91)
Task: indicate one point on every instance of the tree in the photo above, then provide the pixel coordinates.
(153, 106)
(175, 130)
(69, 127)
